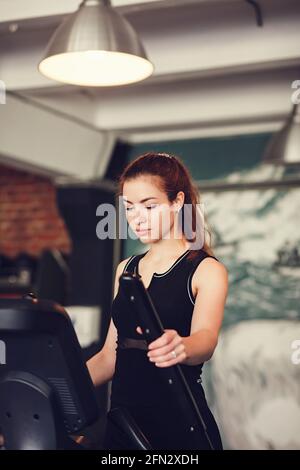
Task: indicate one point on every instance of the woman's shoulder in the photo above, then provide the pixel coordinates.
(209, 268)
(124, 264)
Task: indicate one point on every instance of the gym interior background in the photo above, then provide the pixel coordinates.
(225, 82)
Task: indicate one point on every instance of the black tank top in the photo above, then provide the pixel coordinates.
(136, 380)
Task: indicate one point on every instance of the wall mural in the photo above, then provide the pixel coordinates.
(253, 379)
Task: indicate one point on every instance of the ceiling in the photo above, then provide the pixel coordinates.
(216, 73)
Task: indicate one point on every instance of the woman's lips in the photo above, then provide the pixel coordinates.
(142, 232)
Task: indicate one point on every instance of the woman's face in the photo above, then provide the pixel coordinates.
(148, 211)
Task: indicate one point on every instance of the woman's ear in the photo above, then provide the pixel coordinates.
(179, 200)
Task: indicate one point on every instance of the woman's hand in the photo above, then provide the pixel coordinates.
(167, 350)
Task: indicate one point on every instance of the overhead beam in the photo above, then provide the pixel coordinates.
(35, 138)
(243, 98)
(253, 101)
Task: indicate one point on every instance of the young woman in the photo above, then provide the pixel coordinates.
(188, 287)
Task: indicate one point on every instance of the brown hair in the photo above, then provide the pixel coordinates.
(174, 177)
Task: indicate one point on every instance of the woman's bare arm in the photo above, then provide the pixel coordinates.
(211, 281)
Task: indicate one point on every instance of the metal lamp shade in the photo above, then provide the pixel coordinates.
(284, 147)
(95, 46)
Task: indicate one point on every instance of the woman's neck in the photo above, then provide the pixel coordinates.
(167, 249)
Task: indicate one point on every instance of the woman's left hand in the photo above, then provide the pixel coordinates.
(167, 350)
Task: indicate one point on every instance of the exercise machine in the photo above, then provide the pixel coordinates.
(47, 394)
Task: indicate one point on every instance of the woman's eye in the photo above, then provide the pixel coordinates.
(146, 207)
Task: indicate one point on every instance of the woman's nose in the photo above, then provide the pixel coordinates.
(141, 220)
(141, 216)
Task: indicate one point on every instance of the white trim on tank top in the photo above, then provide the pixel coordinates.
(164, 274)
(155, 274)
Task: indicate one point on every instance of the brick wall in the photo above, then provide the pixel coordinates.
(29, 219)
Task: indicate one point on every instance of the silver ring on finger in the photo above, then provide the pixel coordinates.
(174, 354)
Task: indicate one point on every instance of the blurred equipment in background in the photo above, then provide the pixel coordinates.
(16, 276)
(48, 276)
